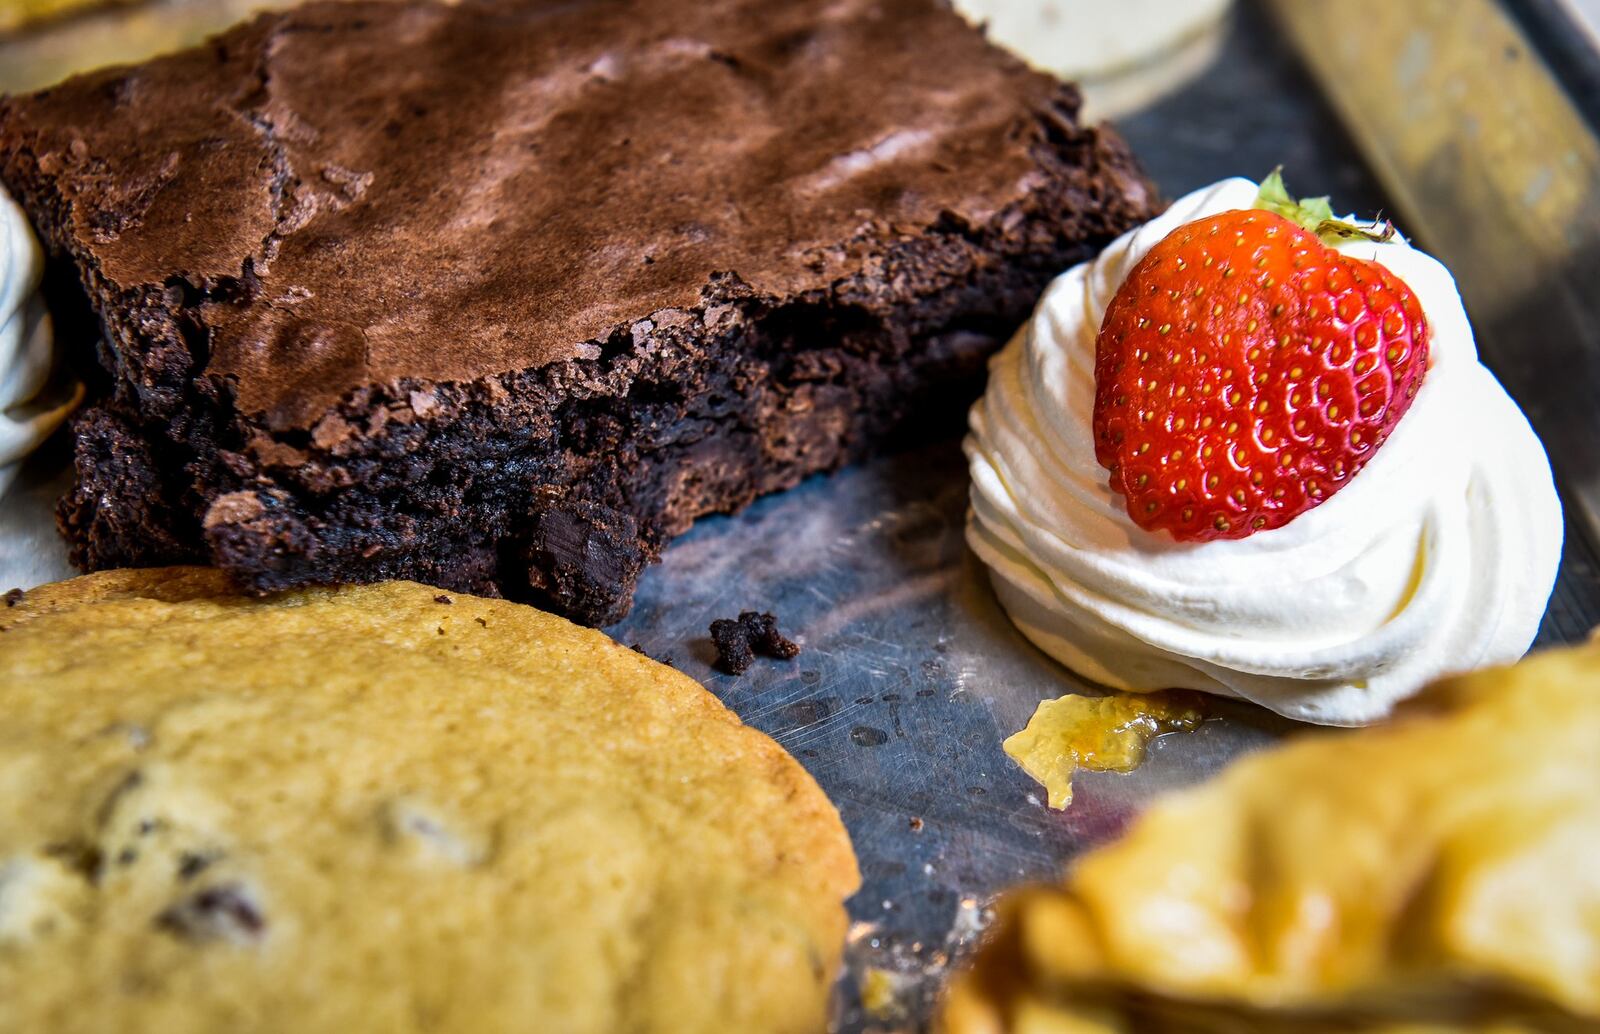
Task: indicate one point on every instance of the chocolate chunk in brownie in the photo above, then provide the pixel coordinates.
(738, 641)
(501, 296)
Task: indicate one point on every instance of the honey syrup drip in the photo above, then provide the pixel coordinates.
(1101, 734)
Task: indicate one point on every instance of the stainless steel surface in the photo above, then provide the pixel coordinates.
(911, 676)
(909, 679)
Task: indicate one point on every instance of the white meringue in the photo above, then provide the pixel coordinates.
(1438, 556)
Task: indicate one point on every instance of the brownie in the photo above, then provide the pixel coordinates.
(501, 296)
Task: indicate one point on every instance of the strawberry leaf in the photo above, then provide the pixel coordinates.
(1313, 213)
(1308, 213)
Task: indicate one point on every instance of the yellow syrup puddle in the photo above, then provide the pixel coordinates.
(881, 993)
(1101, 734)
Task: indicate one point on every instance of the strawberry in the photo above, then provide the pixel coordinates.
(1246, 371)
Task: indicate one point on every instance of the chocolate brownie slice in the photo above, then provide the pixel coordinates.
(501, 296)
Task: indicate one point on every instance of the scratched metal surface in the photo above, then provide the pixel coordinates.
(909, 678)
(911, 675)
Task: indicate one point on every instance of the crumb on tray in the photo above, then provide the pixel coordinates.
(739, 641)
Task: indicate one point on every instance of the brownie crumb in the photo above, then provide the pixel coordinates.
(442, 598)
(738, 641)
(13, 597)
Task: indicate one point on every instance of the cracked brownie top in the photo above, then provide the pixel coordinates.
(354, 193)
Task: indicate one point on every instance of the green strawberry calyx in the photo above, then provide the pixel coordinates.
(1314, 213)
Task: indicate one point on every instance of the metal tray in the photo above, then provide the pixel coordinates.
(911, 675)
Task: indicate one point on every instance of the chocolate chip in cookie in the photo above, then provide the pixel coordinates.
(224, 912)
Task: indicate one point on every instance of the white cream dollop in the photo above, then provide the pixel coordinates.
(1437, 557)
(29, 412)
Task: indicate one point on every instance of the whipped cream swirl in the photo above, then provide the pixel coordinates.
(1437, 557)
(29, 412)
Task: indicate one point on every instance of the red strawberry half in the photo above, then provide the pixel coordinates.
(1246, 371)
